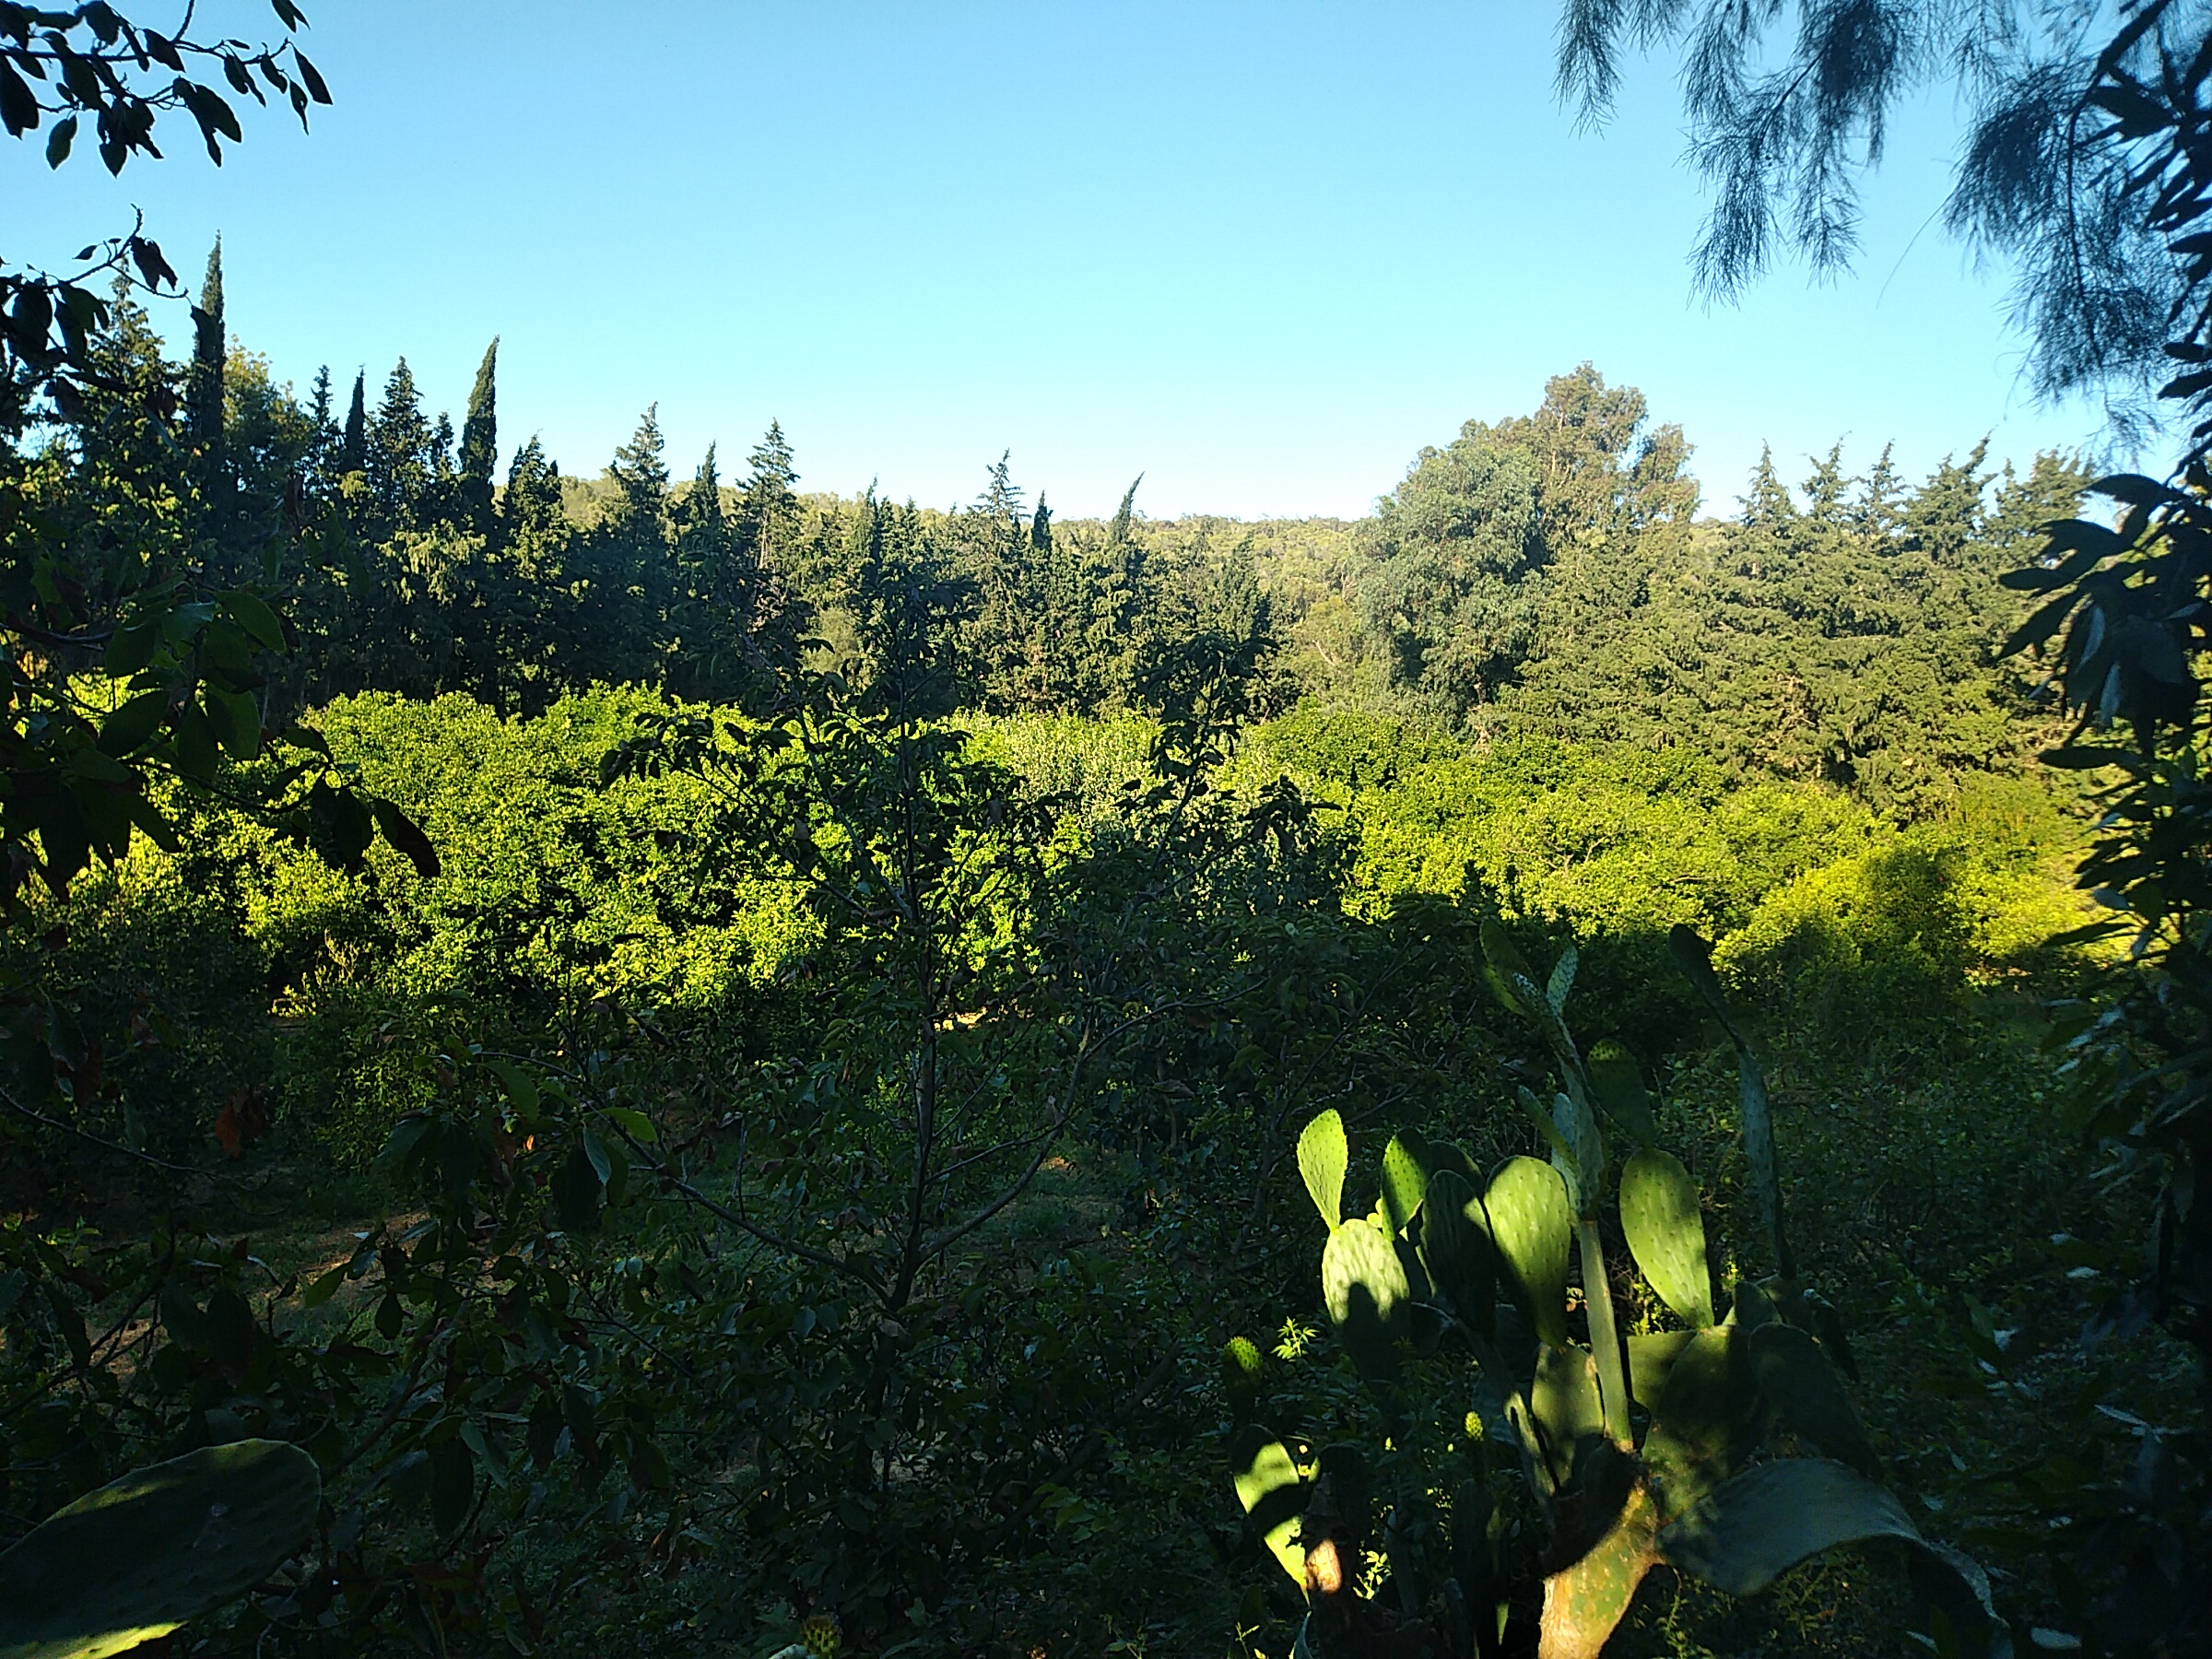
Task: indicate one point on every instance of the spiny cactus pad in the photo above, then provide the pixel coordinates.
(1456, 1249)
(1617, 1082)
(1365, 1287)
(1404, 1180)
(165, 1544)
(1666, 1234)
(1322, 1157)
(1268, 1486)
(1531, 1225)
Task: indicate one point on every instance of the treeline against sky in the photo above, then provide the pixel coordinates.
(1546, 575)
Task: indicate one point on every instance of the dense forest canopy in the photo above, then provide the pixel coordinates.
(1547, 575)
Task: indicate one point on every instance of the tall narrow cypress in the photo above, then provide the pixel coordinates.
(480, 442)
(203, 394)
(353, 447)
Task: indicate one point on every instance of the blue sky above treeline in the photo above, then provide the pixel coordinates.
(1259, 252)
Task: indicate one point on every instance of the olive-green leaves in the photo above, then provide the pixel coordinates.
(1269, 1488)
(1666, 1235)
(1322, 1158)
(1364, 1285)
(1748, 1531)
(1532, 1226)
(132, 1562)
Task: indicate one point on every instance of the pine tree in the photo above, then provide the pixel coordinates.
(203, 395)
(766, 507)
(1768, 505)
(480, 444)
(399, 452)
(531, 502)
(353, 447)
(1002, 497)
(640, 468)
(704, 521)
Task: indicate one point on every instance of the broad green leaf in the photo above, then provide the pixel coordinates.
(1322, 1157)
(251, 612)
(1745, 1533)
(235, 718)
(1666, 1234)
(1533, 1228)
(521, 1092)
(130, 726)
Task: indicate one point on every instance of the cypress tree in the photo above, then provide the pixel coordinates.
(353, 447)
(203, 395)
(1118, 531)
(1041, 527)
(480, 442)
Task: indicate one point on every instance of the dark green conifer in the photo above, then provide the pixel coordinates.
(1041, 527)
(353, 447)
(203, 393)
(399, 451)
(480, 444)
(640, 468)
(1768, 505)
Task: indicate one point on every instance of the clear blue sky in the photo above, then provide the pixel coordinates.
(1260, 252)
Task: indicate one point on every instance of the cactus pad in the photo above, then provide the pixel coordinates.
(1745, 1532)
(1404, 1180)
(1268, 1486)
(1322, 1158)
(1365, 1287)
(1617, 1082)
(1805, 1390)
(1532, 1225)
(1456, 1249)
(164, 1544)
(1666, 1234)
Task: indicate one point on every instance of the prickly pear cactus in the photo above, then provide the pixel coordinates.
(1695, 1484)
(163, 1544)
